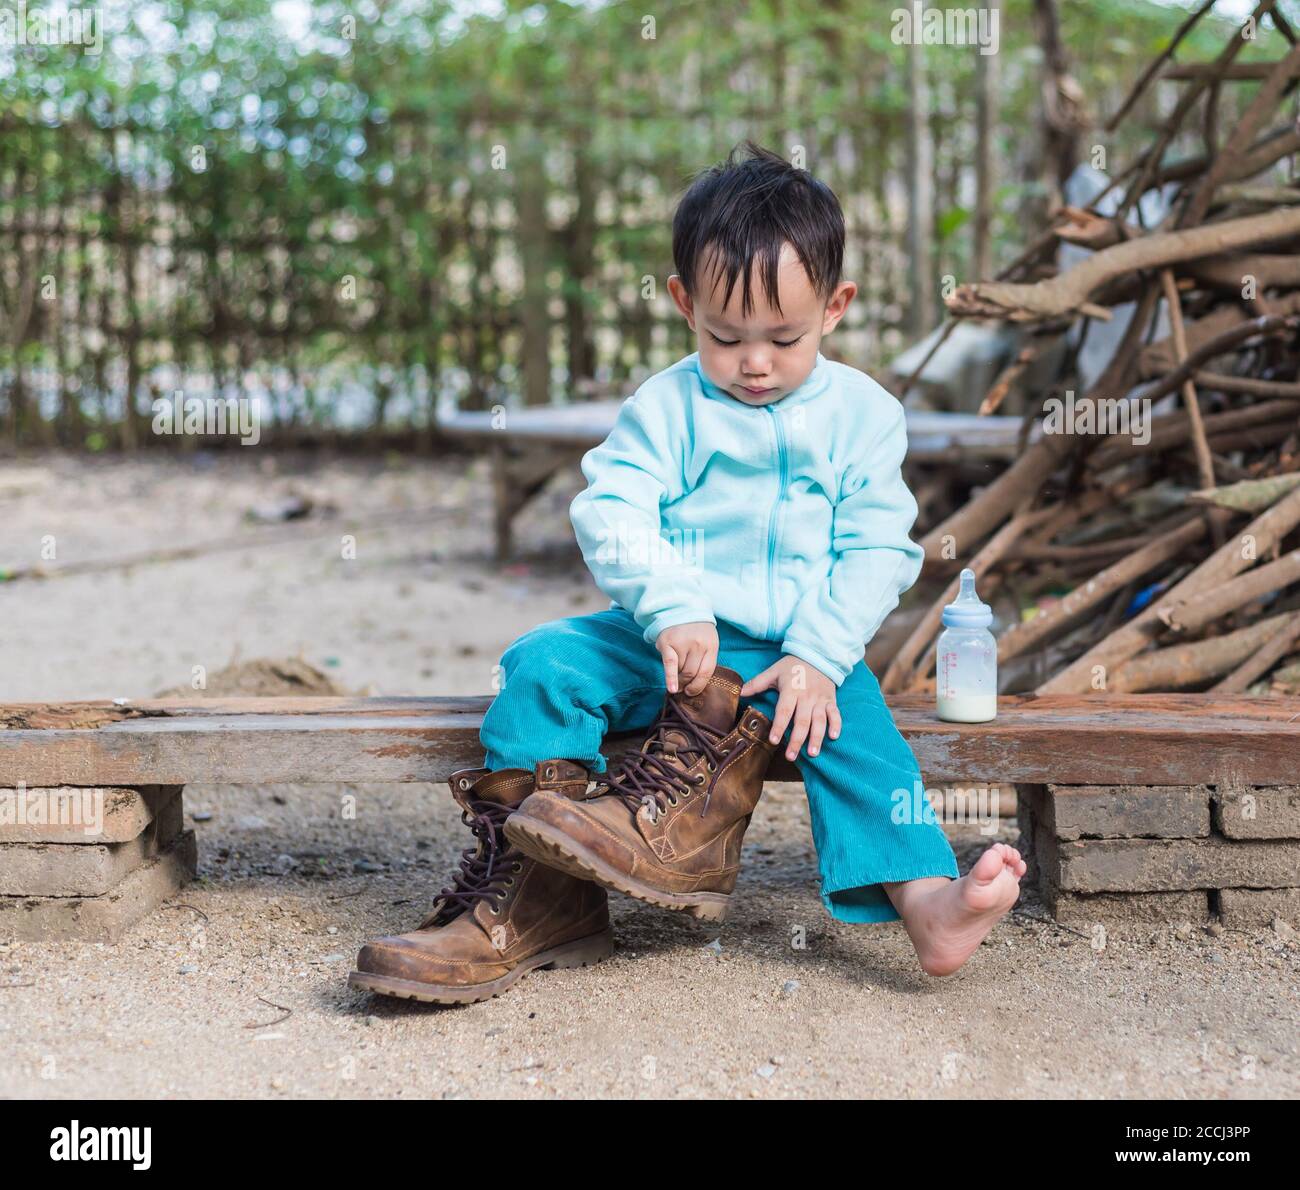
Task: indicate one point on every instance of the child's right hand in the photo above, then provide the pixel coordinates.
(690, 653)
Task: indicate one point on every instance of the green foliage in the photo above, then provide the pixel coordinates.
(210, 188)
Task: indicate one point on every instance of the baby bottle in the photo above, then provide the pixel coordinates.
(967, 661)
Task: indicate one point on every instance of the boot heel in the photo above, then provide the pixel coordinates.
(582, 953)
(715, 911)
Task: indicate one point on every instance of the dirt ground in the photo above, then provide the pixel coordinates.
(238, 986)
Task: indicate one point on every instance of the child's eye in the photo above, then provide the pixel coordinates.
(733, 342)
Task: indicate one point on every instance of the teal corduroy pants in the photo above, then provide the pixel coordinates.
(567, 683)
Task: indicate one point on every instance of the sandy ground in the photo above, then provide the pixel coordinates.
(238, 986)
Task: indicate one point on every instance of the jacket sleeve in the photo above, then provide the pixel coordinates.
(617, 521)
(875, 560)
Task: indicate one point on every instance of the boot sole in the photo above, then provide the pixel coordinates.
(583, 953)
(557, 850)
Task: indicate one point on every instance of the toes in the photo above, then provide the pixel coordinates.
(988, 865)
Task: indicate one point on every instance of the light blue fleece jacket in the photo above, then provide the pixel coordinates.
(789, 520)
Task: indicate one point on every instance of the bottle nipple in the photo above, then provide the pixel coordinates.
(967, 610)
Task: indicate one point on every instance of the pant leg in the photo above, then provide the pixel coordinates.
(871, 821)
(565, 684)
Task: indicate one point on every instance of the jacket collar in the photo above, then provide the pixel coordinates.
(817, 382)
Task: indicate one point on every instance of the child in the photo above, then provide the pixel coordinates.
(748, 518)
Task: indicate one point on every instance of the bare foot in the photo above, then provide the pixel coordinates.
(949, 922)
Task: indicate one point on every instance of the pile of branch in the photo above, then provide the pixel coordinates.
(1149, 538)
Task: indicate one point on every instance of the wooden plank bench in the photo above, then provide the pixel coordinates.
(530, 445)
(1145, 806)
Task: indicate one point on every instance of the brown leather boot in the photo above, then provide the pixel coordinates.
(665, 823)
(504, 915)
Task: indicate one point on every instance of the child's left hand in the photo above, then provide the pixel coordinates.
(807, 694)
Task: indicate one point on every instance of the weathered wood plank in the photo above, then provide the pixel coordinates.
(1138, 739)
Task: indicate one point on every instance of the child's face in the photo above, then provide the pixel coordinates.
(761, 358)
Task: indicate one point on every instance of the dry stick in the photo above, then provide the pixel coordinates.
(1274, 271)
(1027, 474)
(900, 675)
(1266, 102)
(1266, 530)
(1192, 614)
(1277, 389)
(1098, 551)
(1157, 358)
(1170, 431)
(1100, 587)
(1180, 666)
(1174, 306)
(1152, 157)
(1267, 325)
(1261, 662)
(1151, 71)
(1009, 375)
(1066, 292)
(1250, 495)
(1085, 505)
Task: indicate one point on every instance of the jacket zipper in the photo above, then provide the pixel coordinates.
(772, 522)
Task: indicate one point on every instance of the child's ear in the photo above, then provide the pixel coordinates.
(839, 303)
(682, 299)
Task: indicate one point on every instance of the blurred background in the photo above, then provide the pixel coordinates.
(366, 213)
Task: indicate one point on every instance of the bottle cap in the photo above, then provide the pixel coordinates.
(966, 611)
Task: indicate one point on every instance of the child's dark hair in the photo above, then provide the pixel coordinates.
(747, 209)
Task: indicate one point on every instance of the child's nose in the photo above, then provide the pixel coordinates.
(756, 364)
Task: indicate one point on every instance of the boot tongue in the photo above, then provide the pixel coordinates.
(505, 787)
(715, 706)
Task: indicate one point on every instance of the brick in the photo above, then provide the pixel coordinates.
(1128, 811)
(1244, 908)
(1127, 909)
(102, 918)
(120, 814)
(1166, 865)
(81, 869)
(1265, 812)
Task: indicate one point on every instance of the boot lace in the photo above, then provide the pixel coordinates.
(648, 778)
(486, 869)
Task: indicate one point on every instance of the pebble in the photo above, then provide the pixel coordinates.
(766, 1070)
(201, 816)
(372, 1020)
(187, 969)
(366, 865)
(789, 987)
(715, 946)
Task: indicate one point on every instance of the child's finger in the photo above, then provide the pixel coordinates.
(798, 733)
(781, 717)
(708, 663)
(670, 670)
(690, 671)
(758, 683)
(817, 732)
(833, 722)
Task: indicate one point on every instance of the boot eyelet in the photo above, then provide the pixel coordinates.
(550, 771)
(518, 867)
(713, 768)
(494, 911)
(699, 779)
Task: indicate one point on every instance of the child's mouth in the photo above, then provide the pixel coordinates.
(757, 392)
